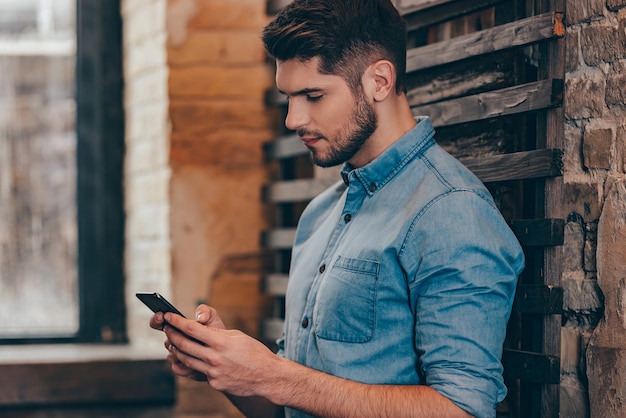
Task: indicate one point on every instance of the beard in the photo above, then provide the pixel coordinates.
(349, 139)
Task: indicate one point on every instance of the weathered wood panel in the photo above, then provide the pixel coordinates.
(531, 367)
(274, 6)
(420, 14)
(528, 97)
(539, 232)
(517, 166)
(538, 299)
(278, 239)
(516, 34)
(460, 81)
(296, 190)
(275, 284)
(284, 147)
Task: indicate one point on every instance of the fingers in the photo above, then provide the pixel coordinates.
(156, 321)
(205, 335)
(179, 369)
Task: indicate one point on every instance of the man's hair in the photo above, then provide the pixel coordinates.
(347, 36)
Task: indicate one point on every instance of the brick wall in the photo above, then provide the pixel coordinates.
(196, 76)
(218, 78)
(594, 341)
(147, 170)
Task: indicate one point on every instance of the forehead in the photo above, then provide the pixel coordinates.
(293, 76)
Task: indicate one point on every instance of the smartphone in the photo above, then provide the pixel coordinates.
(157, 303)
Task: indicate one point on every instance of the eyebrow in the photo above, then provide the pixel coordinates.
(303, 92)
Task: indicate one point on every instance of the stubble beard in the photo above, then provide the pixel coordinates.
(349, 140)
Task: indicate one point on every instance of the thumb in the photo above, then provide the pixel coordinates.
(208, 316)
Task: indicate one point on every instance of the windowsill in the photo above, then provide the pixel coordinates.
(83, 374)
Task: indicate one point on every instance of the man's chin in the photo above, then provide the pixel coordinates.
(320, 162)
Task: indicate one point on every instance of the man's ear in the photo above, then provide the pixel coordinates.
(384, 77)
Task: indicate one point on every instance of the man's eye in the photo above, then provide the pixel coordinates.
(314, 98)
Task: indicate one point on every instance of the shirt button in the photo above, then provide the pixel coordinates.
(322, 268)
(347, 217)
(372, 187)
(305, 322)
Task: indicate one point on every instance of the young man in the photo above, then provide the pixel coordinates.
(402, 275)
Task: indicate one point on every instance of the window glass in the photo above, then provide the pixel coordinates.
(38, 231)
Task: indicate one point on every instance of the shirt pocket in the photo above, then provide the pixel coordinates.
(346, 302)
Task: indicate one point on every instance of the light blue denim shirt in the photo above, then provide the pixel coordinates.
(404, 273)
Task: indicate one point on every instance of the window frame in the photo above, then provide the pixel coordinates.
(100, 153)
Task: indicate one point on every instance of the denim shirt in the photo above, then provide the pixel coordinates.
(404, 273)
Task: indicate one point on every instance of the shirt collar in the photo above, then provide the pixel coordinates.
(383, 168)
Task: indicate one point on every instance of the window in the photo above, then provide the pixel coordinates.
(61, 159)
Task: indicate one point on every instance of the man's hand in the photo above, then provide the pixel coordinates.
(230, 360)
(204, 315)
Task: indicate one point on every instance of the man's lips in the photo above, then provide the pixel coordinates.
(309, 141)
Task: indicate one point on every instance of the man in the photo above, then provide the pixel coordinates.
(402, 274)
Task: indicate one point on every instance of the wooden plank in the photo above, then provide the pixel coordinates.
(462, 80)
(296, 190)
(81, 382)
(275, 6)
(420, 14)
(520, 33)
(528, 97)
(274, 98)
(284, 147)
(531, 367)
(275, 284)
(538, 299)
(271, 329)
(278, 239)
(505, 167)
(539, 232)
(517, 165)
(552, 65)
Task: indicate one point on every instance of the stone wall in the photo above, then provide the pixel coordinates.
(594, 273)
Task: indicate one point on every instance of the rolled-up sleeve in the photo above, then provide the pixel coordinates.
(467, 262)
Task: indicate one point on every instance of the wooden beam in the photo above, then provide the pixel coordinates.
(272, 329)
(274, 284)
(460, 80)
(538, 299)
(284, 147)
(278, 239)
(275, 6)
(519, 33)
(274, 98)
(517, 165)
(296, 190)
(531, 367)
(539, 232)
(420, 14)
(78, 382)
(528, 97)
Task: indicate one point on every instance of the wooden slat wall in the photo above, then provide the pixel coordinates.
(495, 97)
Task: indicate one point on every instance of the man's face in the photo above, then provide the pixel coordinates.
(332, 122)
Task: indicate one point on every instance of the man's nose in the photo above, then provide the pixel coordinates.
(296, 116)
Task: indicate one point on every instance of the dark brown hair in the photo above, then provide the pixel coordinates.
(347, 36)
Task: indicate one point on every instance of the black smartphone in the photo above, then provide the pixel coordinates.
(157, 303)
